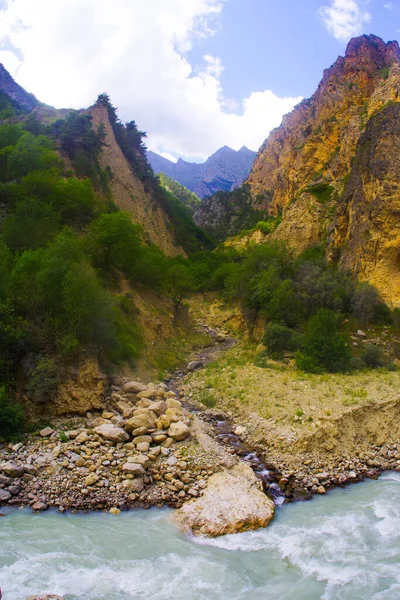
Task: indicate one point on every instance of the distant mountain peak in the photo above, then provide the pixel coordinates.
(224, 170)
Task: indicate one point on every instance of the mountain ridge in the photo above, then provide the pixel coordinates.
(223, 170)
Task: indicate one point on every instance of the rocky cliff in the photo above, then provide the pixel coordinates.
(16, 92)
(224, 170)
(305, 167)
(129, 192)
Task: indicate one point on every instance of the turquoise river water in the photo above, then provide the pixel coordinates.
(345, 545)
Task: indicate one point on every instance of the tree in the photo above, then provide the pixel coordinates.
(179, 283)
(324, 348)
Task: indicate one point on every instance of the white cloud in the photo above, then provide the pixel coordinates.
(135, 51)
(389, 6)
(344, 18)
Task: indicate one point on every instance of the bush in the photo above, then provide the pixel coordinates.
(11, 416)
(44, 381)
(279, 338)
(373, 356)
(324, 348)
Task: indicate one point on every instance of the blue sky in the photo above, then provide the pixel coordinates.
(194, 74)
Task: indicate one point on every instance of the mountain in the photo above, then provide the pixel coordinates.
(331, 168)
(14, 91)
(188, 198)
(224, 170)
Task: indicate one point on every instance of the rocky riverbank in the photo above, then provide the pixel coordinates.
(143, 449)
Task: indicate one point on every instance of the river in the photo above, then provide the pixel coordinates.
(345, 545)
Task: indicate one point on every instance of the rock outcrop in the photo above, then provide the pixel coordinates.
(232, 503)
(302, 170)
(367, 226)
(224, 170)
(22, 98)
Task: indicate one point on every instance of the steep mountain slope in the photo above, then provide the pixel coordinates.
(16, 92)
(224, 170)
(317, 140)
(129, 192)
(304, 169)
(188, 198)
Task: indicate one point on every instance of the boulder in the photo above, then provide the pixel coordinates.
(134, 387)
(178, 431)
(46, 432)
(133, 485)
(141, 418)
(134, 469)
(173, 404)
(91, 479)
(112, 432)
(4, 496)
(12, 469)
(39, 506)
(231, 503)
(159, 408)
(194, 364)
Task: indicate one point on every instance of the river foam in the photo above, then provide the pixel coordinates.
(343, 546)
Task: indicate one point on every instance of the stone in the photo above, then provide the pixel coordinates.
(142, 438)
(133, 387)
(142, 418)
(148, 393)
(134, 469)
(194, 364)
(159, 408)
(139, 431)
(321, 489)
(220, 337)
(112, 433)
(178, 431)
(46, 432)
(39, 506)
(81, 438)
(240, 430)
(143, 447)
(143, 460)
(133, 485)
(5, 480)
(12, 469)
(31, 470)
(114, 511)
(231, 503)
(171, 461)
(173, 404)
(91, 479)
(4, 496)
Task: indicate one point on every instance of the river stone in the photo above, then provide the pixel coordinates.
(142, 418)
(46, 432)
(178, 431)
(139, 431)
(194, 364)
(143, 460)
(134, 387)
(142, 438)
(4, 496)
(232, 503)
(112, 432)
(91, 479)
(133, 485)
(134, 469)
(39, 506)
(159, 408)
(12, 469)
(174, 404)
(143, 447)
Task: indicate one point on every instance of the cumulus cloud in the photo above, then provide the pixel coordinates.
(344, 18)
(136, 51)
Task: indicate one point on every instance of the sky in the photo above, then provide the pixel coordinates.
(194, 74)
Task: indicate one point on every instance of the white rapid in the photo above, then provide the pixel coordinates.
(345, 545)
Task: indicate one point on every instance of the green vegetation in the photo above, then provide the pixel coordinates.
(188, 198)
(321, 191)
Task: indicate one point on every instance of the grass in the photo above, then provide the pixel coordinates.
(281, 391)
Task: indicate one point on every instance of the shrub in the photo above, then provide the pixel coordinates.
(324, 348)
(285, 305)
(11, 416)
(373, 356)
(364, 302)
(278, 338)
(44, 380)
